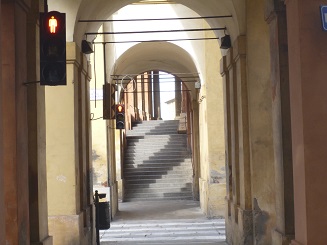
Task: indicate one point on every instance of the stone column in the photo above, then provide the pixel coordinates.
(2, 196)
(150, 96)
(178, 97)
(146, 96)
(139, 94)
(308, 100)
(234, 157)
(239, 212)
(227, 117)
(276, 18)
(13, 131)
(38, 208)
(111, 132)
(195, 146)
(156, 95)
(260, 123)
(67, 119)
(243, 147)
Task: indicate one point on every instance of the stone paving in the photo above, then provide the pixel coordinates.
(163, 223)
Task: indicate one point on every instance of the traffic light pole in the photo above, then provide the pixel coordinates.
(96, 203)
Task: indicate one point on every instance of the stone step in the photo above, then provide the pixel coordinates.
(163, 232)
(158, 199)
(169, 162)
(159, 185)
(158, 195)
(160, 190)
(157, 144)
(182, 153)
(164, 137)
(155, 172)
(155, 176)
(147, 159)
(157, 164)
(165, 180)
(153, 133)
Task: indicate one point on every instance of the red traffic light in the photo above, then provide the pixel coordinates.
(53, 23)
(120, 116)
(119, 108)
(53, 48)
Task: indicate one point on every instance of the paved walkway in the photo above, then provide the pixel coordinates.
(163, 223)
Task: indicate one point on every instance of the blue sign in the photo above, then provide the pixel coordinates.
(323, 11)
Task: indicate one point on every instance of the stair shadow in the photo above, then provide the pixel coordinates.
(159, 160)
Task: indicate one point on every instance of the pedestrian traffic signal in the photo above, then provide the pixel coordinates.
(120, 116)
(53, 48)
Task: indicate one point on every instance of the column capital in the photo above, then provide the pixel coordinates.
(273, 8)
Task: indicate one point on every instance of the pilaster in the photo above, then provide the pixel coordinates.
(38, 208)
(239, 201)
(68, 155)
(156, 95)
(13, 131)
(308, 100)
(276, 19)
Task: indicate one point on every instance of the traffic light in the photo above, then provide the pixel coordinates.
(120, 116)
(53, 48)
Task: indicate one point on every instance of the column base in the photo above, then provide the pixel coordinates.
(212, 198)
(293, 242)
(240, 230)
(69, 230)
(46, 241)
(278, 238)
(245, 223)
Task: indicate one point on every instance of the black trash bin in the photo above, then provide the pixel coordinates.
(104, 217)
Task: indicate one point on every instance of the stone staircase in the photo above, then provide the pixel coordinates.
(166, 232)
(157, 164)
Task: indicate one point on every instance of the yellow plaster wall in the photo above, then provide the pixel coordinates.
(66, 155)
(212, 147)
(60, 141)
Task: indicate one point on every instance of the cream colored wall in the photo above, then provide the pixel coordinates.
(212, 147)
(66, 155)
(99, 138)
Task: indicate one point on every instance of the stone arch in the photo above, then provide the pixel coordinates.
(103, 9)
(141, 58)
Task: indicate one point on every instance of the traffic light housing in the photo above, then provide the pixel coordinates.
(120, 116)
(53, 48)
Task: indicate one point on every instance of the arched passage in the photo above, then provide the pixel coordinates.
(242, 150)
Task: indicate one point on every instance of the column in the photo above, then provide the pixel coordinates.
(67, 122)
(156, 95)
(150, 96)
(2, 196)
(308, 100)
(14, 140)
(276, 18)
(195, 146)
(38, 203)
(139, 82)
(111, 132)
(234, 157)
(259, 104)
(146, 96)
(178, 96)
(243, 147)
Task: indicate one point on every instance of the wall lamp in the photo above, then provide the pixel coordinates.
(86, 47)
(225, 42)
